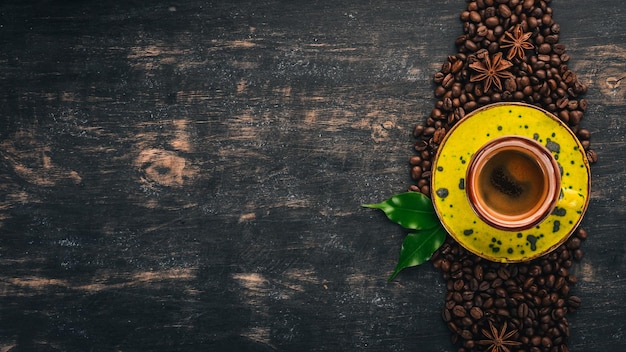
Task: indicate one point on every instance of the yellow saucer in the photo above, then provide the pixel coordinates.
(450, 168)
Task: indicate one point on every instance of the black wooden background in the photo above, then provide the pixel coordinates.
(187, 175)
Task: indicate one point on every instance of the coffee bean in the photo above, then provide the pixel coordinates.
(490, 275)
(550, 281)
(459, 113)
(473, 284)
(535, 270)
(445, 265)
(558, 313)
(438, 137)
(503, 312)
(467, 322)
(563, 328)
(555, 61)
(446, 315)
(558, 340)
(565, 58)
(573, 243)
(471, 104)
(447, 105)
(446, 68)
(440, 91)
(415, 160)
(492, 22)
(517, 296)
(572, 105)
(564, 116)
(547, 268)
(488, 303)
(528, 4)
(418, 131)
(478, 272)
(436, 113)
(457, 65)
(475, 17)
(416, 172)
(456, 297)
(464, 16)
(447, 81)
(558, 49)
(500, 302)
(420, 145)
(468, 296)
(504, 10)
(481, 31)
(471, 46)
(484, 286)
(574, 301)
(592, 156)
(581, 233)
(552, 39)
(528, 91)
(503, 273)
(476, 313)
(535, 340)
(522, 310)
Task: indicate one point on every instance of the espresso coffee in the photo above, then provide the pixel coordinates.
(512, 183)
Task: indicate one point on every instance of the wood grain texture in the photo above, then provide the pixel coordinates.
(183, 176)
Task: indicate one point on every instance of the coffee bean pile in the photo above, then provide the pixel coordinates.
(529, 300)
(541, 78)
(532, 298)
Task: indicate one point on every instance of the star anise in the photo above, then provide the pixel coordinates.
(491, 71)
(517, 41)
(498, 341)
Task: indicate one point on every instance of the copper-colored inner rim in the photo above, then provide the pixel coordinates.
(545, 168)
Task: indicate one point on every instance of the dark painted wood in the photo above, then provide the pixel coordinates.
(186, 175)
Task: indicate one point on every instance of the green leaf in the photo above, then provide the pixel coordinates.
(418, 247)
(412, 210)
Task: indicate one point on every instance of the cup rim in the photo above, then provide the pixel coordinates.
(546, 163)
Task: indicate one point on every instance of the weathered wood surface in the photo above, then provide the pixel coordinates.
(187, 175)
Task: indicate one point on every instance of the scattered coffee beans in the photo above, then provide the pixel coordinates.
(529, 300)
